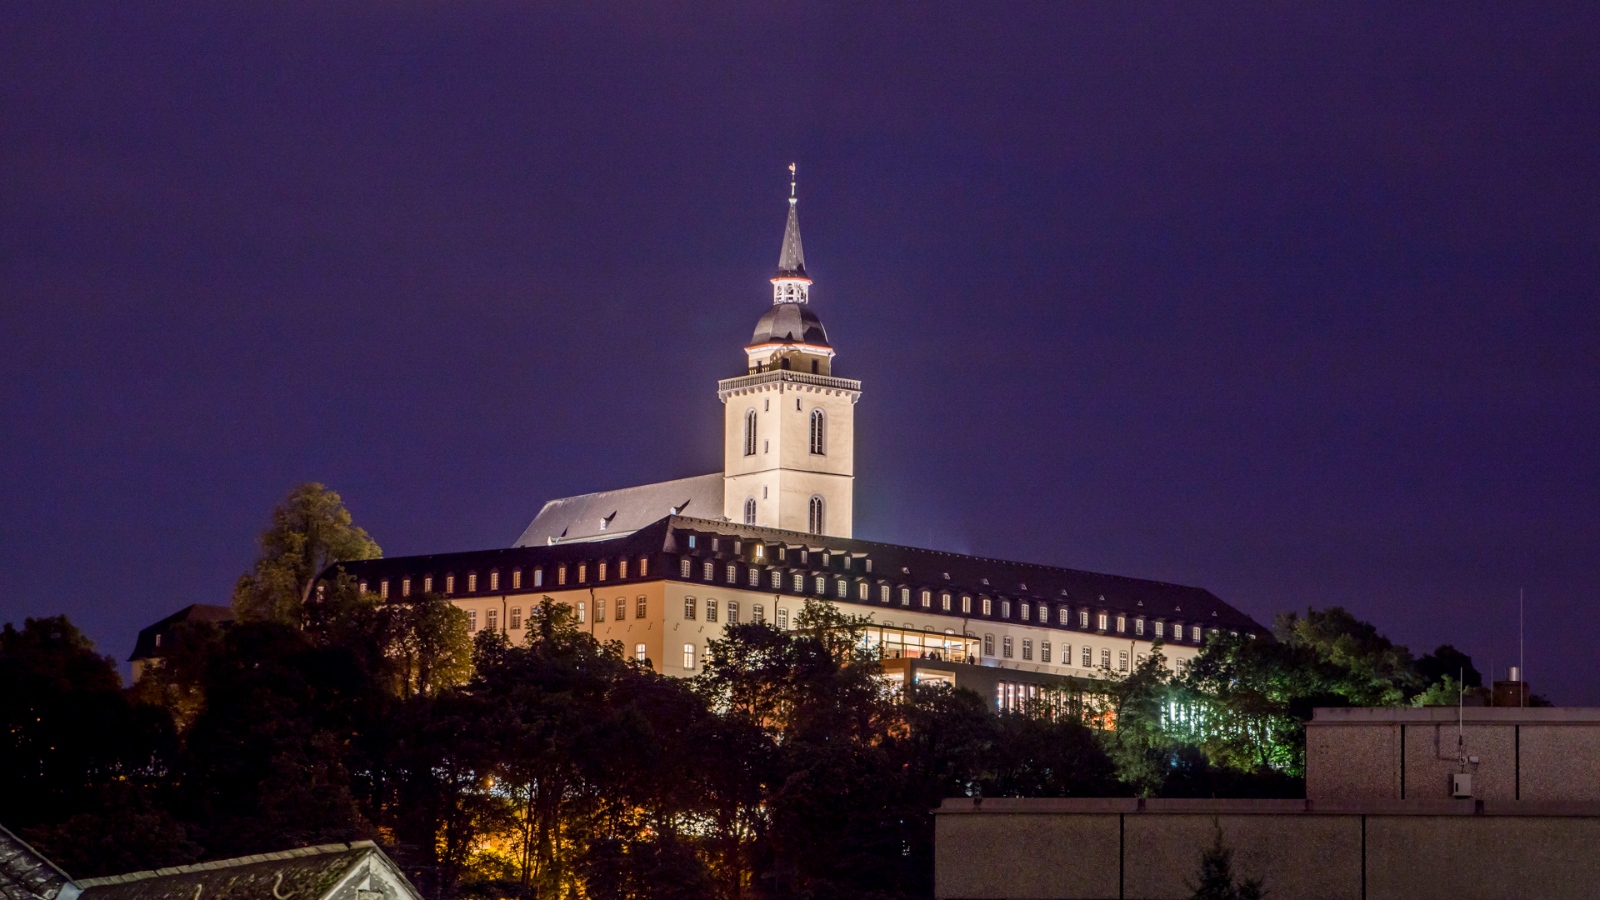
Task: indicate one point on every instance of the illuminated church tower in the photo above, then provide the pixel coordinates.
(789, 441)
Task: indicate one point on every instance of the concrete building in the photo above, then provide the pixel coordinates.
(1379, 821)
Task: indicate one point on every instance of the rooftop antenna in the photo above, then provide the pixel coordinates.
(1522, 661)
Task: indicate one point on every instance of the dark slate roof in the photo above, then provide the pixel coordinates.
(25, 874)
(790, 323)
(791, 259)
(607, 514)
(145, 647)
(892, 564)
(309, 873)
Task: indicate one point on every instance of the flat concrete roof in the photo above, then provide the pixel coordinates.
(1088, 806)
(1473, 715)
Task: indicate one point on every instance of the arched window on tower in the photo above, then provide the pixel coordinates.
(814, 522)
(750, 433)
(749, 510)
(819, 438)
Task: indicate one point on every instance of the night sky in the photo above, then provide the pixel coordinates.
(1298, 305)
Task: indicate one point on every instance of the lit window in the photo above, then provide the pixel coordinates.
(758, 614)
(622, 568)
(1104, 620)
(492, 618)
(383, 588)
(494, 580)
(783, 618)
(472, 620)
(1088, 657)
(883, 593)
(516, 618)
(944, 602)
(688, 607)
(1083, 618)
(538, 578)
(1138, 626)
(1161, 627)
(472, 582)
(683, 567)
(843, 589)
(600, 610)
(822, 585)
(1005, 646)
(644, 567)
(862, 591)
(988, 645)
(405, 587)
(516, 579)
(750, 433)
(1194, 634)
(1065, 618)
(754, 577)
(688, 656)
(561, 575)
(708, 570)
(640, 605)
(966, 604)
(1027, 649)
(733, 574)
(749, 510)
(583, 572)
(621, 607)
(733, 612)
(1122, 661)
(583, 612)
(814, 521)
(639, 653)
(777, 580)
(927, 599)
(1105, 659)
(905, 596)
(1044, 651)
(988, 608)
(819, 444)
(362, 587)
(427, 584)
(711, 610)
(691, 542)
(1122, 624)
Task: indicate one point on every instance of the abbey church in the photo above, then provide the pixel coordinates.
(666, 568)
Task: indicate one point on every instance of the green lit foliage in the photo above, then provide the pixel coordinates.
(310, 531)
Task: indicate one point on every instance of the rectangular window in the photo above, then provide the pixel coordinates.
(583, 572)
(621, 607)
(405, 587)
(691, 542)
(966, 604)
(688, 656)
(583, 612)
(861, 591)
(639, 653)
(783, 619)
(733, 612)
(688, 608)
(1088, 657)
(1027, 649)
(927, 599)
(1083, 618)
(516, 618)
(622, 568)
(1138, 627)
(639, 607)
(1103, 620)
(988, 645)
(472, 582)
(600, 610)
(1122, 624)
(1026, 612)
(1005, 609)
(492, 618)
(494, 580)
(516, 579)
(711, 610)
(758, 614)
(708, 570)
(1044, 651)
(944, 602)
(1105, 659)
(362, 587)
(383, 588)
(1160, 627)
(561, 575)
(755, 577)
(644, 567)
(472, 620)
(1122, 661)
(683, 567)
(987, 608)
(538, 578)
(1005, 646)
(733, 574)
(427, 584)
(600, 572)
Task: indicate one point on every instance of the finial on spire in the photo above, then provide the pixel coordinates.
(791, 183)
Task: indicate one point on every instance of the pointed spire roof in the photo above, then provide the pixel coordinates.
(792, 259)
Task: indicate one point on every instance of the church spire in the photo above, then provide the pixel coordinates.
(791, 285)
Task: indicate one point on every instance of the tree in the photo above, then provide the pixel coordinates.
(1216, 881)
(1375, 671)
(311, 530)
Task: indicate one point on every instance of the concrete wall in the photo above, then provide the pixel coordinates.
(1099, 848)
(1409, 754)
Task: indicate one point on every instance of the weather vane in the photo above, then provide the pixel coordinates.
(791, 181)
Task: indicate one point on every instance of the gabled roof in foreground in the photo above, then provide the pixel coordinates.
(24, 872)
(309, 873)
(880, 563)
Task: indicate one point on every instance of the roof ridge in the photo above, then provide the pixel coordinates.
(211, 865)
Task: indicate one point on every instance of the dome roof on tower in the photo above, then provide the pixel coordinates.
(790, 323)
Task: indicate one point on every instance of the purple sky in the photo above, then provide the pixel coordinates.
(1299, 306)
